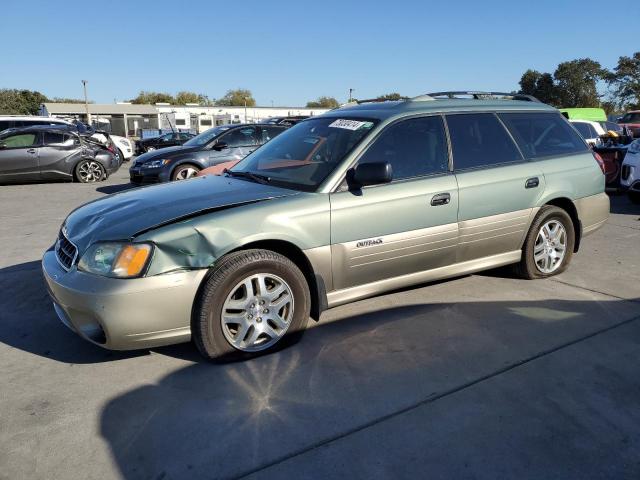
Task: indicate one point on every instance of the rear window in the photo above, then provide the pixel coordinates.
(480, 140)
(543, 134)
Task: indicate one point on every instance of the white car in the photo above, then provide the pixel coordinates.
(589, 130)
(630, 174)
(124, 145)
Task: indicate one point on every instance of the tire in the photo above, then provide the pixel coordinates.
(634, 197)
(184, 172)
(547, 253)
(122, 156)
(218, 338)
(89, 171)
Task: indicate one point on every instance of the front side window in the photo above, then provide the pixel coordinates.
(480, 140)
(206, 137)
(241, 137)
(543, 134)
(20, 140)
(305, 154)
(413, 147)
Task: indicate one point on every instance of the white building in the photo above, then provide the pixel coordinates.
(129, 120)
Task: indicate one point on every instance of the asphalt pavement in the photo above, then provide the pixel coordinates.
(484, 377)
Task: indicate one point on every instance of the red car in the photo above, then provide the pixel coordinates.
(632, 120)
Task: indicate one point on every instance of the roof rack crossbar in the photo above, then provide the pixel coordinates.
(478, 95)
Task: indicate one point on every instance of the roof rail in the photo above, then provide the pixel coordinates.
(476, 95)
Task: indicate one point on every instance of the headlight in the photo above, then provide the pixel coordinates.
(117, 259)
(155, 164)
(634, 147)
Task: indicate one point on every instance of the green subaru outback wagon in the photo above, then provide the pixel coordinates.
(364, 199)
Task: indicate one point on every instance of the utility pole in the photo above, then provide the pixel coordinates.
(245, 110)
(351, 90)
(86, 102)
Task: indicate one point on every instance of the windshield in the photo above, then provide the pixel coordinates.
(304, 155)
(611, 126)
(631, 118)
(206, 137)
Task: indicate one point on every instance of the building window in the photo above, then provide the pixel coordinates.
(181, 122)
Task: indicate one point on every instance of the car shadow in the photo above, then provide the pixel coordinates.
(229, 420)
(620, 204)
(122, 187)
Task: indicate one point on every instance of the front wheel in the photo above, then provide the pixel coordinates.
(184, 172)
(90, 171)
(254, 302)
(548, 247)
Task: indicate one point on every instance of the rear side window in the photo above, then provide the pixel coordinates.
(414, 148)
(270, 132)
(4, 124)
(584, 129)
(480, 140)
(543, 134)
(52, 138)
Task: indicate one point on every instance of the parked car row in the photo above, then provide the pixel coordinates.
(356, 202)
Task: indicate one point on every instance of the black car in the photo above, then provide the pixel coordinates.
(226, 143)
(288, 121)
(163, 141)
(54, 153)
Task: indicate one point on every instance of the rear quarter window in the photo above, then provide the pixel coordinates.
(479, 140)
(543, 134)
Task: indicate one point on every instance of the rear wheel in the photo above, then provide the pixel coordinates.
(548, 247)
(90, 171)
(634, 197)
(254, 302)
(184, 172)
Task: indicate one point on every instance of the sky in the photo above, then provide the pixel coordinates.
(290, 52)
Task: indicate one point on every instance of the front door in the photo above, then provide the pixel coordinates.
(497, 187)
(406, 226)
(234, 145)
(19, 157)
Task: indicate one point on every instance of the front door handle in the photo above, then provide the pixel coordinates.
(440, 199)
(532, 182)
(31, 150)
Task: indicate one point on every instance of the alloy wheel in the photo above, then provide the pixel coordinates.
(257, 313)
(90, 172)
(550, 247)
(186, 173)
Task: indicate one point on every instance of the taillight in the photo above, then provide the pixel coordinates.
(113, 150)
(600, 162)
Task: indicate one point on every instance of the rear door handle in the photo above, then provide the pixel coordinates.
(532, 182)
(31, 150)
(440, 199)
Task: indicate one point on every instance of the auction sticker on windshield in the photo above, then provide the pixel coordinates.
(350, 124)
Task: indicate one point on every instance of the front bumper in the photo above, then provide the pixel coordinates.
(123, 314)
(148, 175)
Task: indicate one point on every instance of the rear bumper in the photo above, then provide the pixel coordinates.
(593, 212)
(122, 314)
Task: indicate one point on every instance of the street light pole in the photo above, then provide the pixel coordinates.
(245, 110)
(350, 94)
(86, 102)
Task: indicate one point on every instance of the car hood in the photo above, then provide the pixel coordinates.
(123, 216)
(167, 152)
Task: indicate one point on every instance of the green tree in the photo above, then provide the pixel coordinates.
(182, 98)
(20, 102)
(236, 98)
(323, 102)
(576, 83)
(540, 85)
(66, 100)
(390, 96)
(146, 97)
(625, 82)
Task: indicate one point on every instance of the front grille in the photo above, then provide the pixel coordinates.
(626, 170)
(66, 252)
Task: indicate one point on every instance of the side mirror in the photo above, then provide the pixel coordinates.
(374, 173)
(220, 146)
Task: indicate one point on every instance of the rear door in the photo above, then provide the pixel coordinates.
(498, 188)
(406, 226)
(19, 157)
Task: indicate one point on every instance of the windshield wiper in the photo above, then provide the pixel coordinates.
(256, 177)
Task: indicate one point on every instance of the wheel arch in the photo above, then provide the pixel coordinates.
(568, 206)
